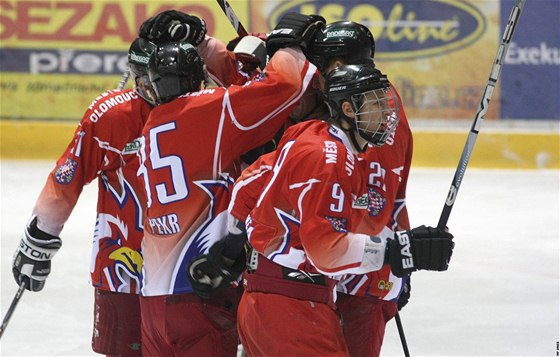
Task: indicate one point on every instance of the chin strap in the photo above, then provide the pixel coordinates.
(351, 132)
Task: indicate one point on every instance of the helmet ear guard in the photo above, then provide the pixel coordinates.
(175, 69)
(374, 103)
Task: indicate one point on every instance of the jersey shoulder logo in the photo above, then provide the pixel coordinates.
(65, 173)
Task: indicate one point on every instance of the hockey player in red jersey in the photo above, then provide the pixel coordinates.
(367, 302)
(309, 229)
(189, 146)
(104, 147)
(234, 63)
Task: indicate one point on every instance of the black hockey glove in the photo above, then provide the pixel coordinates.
(294, 30)
(32, 259)
(422, 248)
(173, 26)
(223, 264)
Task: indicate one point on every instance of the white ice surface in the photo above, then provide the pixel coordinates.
(500, 296)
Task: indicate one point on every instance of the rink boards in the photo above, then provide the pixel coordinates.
(436, 143)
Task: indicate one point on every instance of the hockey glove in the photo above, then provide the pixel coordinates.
(32, 259)
(405, 294)
(250, 51)
(223, 264)
(173, 26)
(294, 30)
(234, 42)
(422, 248)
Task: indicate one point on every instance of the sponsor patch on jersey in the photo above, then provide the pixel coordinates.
(338, 224)
(132, 147)
(361, 202)
(65, 172)
(384, 285)
(376, 202)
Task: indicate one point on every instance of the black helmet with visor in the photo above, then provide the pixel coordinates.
(373, 101)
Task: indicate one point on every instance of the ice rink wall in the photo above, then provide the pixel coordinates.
(57, 56)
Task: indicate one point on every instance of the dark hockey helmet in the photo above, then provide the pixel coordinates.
(348, 40)
(138, 57)
(175, 69)
(374, 103)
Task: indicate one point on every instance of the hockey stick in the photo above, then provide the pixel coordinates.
(401, 334)
(233, 19)
(482, 109)
(15, 301)
(124, 79)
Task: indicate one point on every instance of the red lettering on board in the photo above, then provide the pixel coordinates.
(80, 11)
(26, 20)
(8, 27)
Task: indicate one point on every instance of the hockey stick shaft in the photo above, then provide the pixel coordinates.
(401, 334)
(15, 301)
(124, 79)
(482, 109)
(232, 17)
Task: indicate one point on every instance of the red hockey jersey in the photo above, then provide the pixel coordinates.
(189, 147)
(310, 214)
(221, 64)
(386, 170)
(105, 145)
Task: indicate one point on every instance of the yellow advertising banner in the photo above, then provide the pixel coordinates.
(438, 53)
(58, 55)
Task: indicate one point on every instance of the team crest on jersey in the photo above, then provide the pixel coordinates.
(338, 224)
(376, 202)
(65, 172)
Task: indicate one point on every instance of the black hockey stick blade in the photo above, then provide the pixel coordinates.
(15, 301)
(482, 109)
